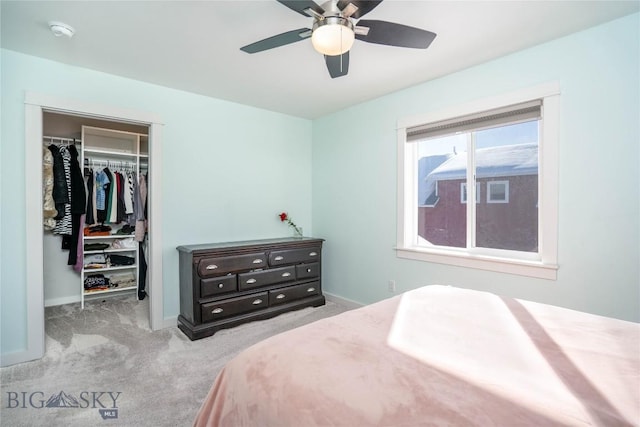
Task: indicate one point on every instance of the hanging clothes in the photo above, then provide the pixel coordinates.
(110, 194)
(60, 190)
(103, 185)
(78, 194)
(48, 204)
(146, 196)
(113, 199)
(120, 198)
(142, 272)
(77, 202)
(128, 193)
(141, 223)
(89, 178)
(63, 226)
(95, 209)
(133, 184)
(79, 251)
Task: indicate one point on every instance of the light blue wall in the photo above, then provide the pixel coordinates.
(227, 170)
(354, 177)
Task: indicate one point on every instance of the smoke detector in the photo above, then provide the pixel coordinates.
(61, 29)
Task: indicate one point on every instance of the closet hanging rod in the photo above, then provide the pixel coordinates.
(92, 161)
(59, 139)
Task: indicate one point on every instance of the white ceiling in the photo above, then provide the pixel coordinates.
(194, 45)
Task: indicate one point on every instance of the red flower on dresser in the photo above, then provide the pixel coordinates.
(284, 217)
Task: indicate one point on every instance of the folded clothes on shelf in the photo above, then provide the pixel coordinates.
(123, 280)
(122, 277)
(97, 230)
(126, 230)
(96, 280)
(116, 260)
(95, 261)
(127, 243)
(95, 246)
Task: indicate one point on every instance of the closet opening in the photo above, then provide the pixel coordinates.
(36, 105)
(95, 241)
(95, 214)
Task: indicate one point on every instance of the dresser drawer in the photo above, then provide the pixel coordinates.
(217, 266)
(304, 271)
(233, 306)
(218, 285)
(281, 296)
(294, 256)
(256, 279)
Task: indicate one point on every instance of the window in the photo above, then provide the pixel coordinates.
(463, 193)
(507, 145)
(498, 191)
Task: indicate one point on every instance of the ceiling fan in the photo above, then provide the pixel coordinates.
(336, 25)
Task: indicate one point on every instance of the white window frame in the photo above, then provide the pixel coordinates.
(542, 264)
(463, 185)
(506, 191)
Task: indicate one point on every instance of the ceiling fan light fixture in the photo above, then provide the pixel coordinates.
(333, 35)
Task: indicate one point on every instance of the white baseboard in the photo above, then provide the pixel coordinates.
(62, 300)
(16, 357)
(76, 298)
(342, 301)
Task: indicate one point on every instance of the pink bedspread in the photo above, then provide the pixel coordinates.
(437, 356)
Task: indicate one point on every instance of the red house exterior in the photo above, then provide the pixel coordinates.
(504, 220)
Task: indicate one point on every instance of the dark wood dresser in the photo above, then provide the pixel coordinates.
(225, 284)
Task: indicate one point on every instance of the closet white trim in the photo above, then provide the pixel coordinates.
(62, 300)
(35, 105)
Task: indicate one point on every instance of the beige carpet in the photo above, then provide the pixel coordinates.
(104, 366)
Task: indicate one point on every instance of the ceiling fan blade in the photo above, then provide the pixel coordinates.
(338, 65)
(364, 6)
(278, 40)
(391, 34)
(301, 5)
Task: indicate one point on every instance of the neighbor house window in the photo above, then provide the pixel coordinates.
(498, 192)
(463, 193)
(507, 145)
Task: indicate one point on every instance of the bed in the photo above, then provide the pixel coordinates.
(437, 356)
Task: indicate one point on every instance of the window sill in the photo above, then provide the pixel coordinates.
(501, 265)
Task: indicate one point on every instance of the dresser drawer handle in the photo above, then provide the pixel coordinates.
(278, 258)
(250, 281)
(220, 285)
(311, 290)
(217, 311)
(257, 261)
(313, 253)
(308, 270)
(211, 267)
(280, 296)
(287, 274)
(256, 302)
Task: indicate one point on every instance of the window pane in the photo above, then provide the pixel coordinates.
(506, 161)
(442, 168)
(498, 192)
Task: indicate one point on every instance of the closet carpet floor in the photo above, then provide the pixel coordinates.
(106, 353)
